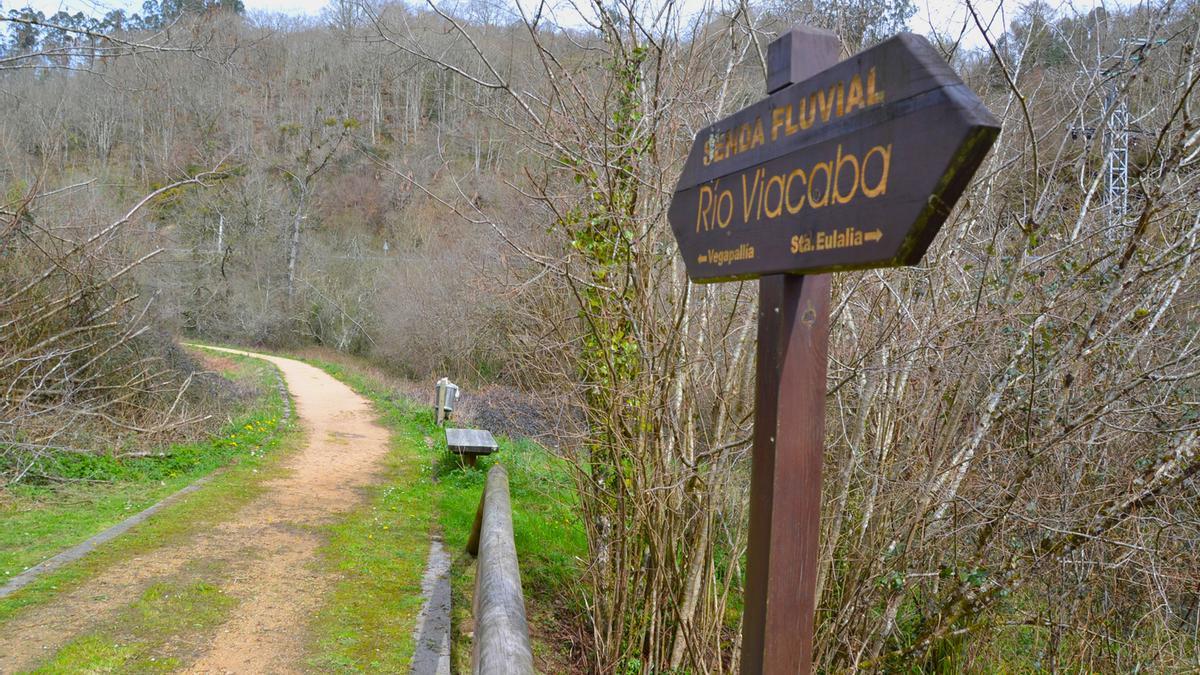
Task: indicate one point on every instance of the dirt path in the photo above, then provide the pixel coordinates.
(271, 545)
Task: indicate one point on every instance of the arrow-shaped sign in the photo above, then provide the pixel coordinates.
(856, 167)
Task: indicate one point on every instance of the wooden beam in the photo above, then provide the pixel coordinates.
(501, 645)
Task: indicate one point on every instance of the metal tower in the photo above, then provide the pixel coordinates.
(1116, 161)
(1118, 125)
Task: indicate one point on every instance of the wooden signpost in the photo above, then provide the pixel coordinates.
(845, 165)
(857, 166)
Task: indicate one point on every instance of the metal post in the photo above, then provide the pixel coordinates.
(789, 430)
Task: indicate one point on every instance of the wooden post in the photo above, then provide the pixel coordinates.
(789, 431)
(909, 104)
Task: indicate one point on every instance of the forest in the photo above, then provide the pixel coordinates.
(479, 190)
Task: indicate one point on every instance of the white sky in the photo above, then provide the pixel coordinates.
(947, 16)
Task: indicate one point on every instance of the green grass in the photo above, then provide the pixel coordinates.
(151, 634)
(381, 549)
(37, 521)
(547, 532)
(378, 551)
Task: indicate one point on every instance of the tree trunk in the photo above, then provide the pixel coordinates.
(294, 247)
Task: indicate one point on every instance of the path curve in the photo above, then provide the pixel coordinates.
(271, 544)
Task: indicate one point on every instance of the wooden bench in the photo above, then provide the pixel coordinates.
(470, 443)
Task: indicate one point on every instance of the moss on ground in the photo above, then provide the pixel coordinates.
(153, 634)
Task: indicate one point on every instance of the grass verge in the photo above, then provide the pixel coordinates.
(381, 549)
(38, 521)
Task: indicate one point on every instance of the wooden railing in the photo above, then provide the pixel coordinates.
(501, 633)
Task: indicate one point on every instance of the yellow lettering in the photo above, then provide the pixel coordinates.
(854, 98)
(885, 156)
(704, 208)
(808, 111)
(827, 103)
(758, 139)
(778, 209)
(765, 195)
(873, 97)
(812, 175)
(778, 117)
(792, 125)
(788, 192)
(841, 161)
(726, 199)
(748, 193)
(761, 174)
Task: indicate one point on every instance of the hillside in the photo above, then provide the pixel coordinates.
(480, 192)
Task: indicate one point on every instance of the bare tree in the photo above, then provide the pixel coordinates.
(75, 357)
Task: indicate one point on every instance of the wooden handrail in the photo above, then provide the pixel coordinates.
(501, 644)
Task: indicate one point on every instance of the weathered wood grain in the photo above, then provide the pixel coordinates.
(470, 441)
(501, 644)
(789, 431)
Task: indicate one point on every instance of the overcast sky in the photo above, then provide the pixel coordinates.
(943, 15)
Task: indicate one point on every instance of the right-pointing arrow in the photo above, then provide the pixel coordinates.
(917, 140)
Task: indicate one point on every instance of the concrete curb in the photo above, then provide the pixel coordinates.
(432, 636)
(81, 549)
